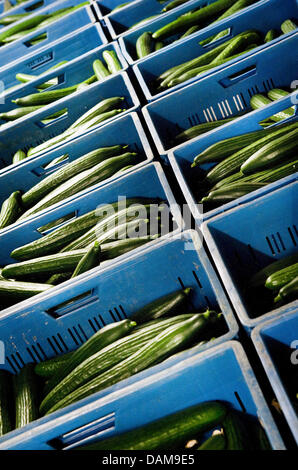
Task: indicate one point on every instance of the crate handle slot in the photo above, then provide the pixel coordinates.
(287, 120)
(31, 42)
(53, 225)
(238, 76)
(76, 303)
(34, 6)
(84, 434)
(56, 163)
(49, 121)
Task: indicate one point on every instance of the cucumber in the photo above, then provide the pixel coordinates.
(28, 23)
(89, 261)
(237, 45)
(288, 26)
(58, 278)
(85, 162)
(235, 432)
(120, 6)
(142, 22)
(170, 432)
(270, 35)
(235, 161)
(26, 396)
(167, 343)
(259, 279)
(62, 236)
(112, 61)
(158, 45)
(25, 78)
(279, 150)
(215, 442)
(163, 306)
(259, 101)
(48, 368)
(18, 113)
(100, 70)
(46, 97)
(288, 292)
(277, 93)
(174, 4)
(9, 19)
(107, 104)
(96, 343)
(6, 415)
(144, 44)
(189, 31)
(229, 193)
(106, 359)
(21, 290)
(82, 180)
(19, 156)
(199, 129)
(200, 17)
(280, 278)
(11, 209)
(111, 250)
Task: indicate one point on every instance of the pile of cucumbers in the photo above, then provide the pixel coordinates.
(79, 245)
(187, 24)
(277, 282)
(210, 425)
(17, 31)
(226, 51)
(36, 101)
(245, 163)
(117, 351)
(258, 101)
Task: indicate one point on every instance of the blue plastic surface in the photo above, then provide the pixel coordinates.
(120, 21)
(105, 7)
(70, 74)
(56, 30)
(68, 48)
(223, 94)
(275, 341)
(124, 130)
(250, 237)
(31, 6)
(30, 131)
(181, 157)
(263, 16)
(221, 373)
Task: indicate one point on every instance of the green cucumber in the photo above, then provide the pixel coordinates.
(18, 113)
(111, 250)
(235, 432)
(288, 292)
(11, 209)
(259, 101)
(31, 22)
(144, 45)
(51, 366)
(103, 106)
(58, 278)
(280, 278)
(237, 45)
(100, 70)
(89, 261)
(230, 192)
(196, 18)
(189, 31)
(259, 279)
(277, 93)
(21, 290)
(174, 4)
(167, 343)
(112, 61)
(169, 432)
(105, 359)
(214, 442)
(26, 396)
(163, 306)
(19, 156)
(279, 150)
(82, 180)
(9, 19)
(62, 236)
(25, 78)
(96, 343)
(200, 129)
(85, 162)
(233, 163)
(144, 21)
(46, 97)
(270, 35)
(6, 415)
(288, 26)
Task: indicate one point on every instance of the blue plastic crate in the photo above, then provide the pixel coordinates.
(30, 131)
(31, 6)
(221, 373)
(120, 21)
(223, 94)
(125, 130)
(250, 237)
(68, 48)
(56, 30)
(181, 158)
(105, 7)
(72, 73)
(273, 341)
(261, 17)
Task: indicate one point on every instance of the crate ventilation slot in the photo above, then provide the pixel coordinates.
(225, 109)
(268, 84)
(116, 314)
(77, 334)
(57, 344)
(240, 401)
(194, 119)
(209, 114)
(239, 102)
(275, 243)
(293, 234)
(84, 434)
(15, 361)
(35, 354)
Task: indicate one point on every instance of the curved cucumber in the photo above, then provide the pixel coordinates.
(11, 209)
(89, 261)
(6, 415)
